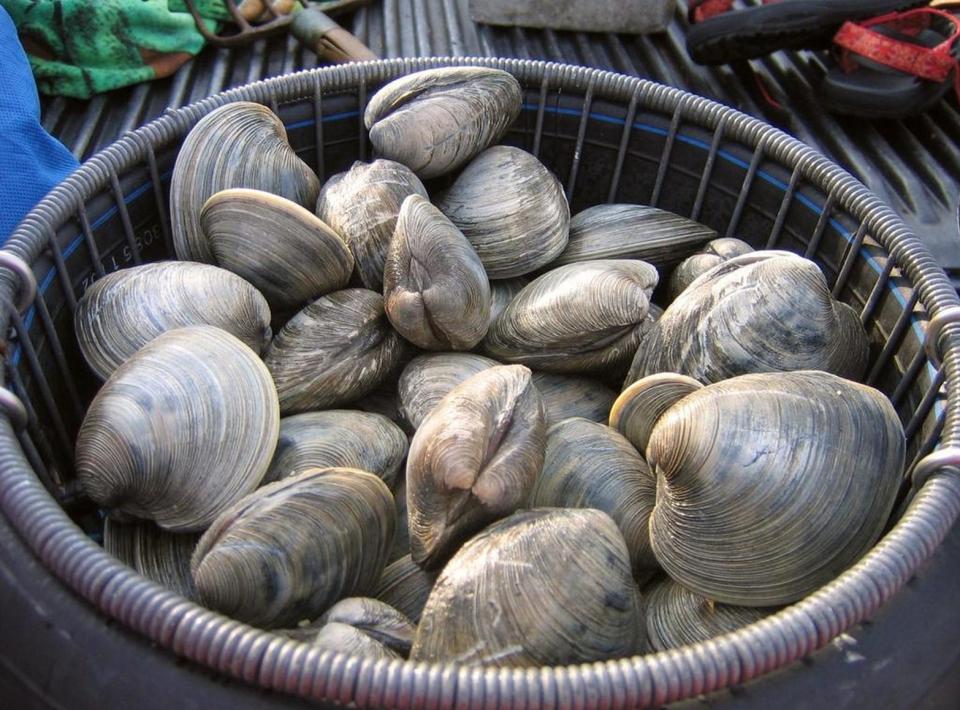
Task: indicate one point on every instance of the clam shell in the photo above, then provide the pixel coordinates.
(622, 231)
(385, 401)
(291, 549)
(677, 617)
(180, 431)
(405, 586)
(341, 638)
(792, 477)
(427, 379)
(240, 144)
(284, 250)
(339, 438)
(126, 309)
(473, 459)
(436, 293)
(335, 350)
(511, 209)
(376, 619)
(640, 405)
(589, 465)
(401, 539)
(362, 205)
(586, 317)
(763, 312)
(714, 253)
(566, 396)
(155, 553)
(434, 121)
(543, 587)
(502, 292)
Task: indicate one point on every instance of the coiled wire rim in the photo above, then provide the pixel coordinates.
(262, 658)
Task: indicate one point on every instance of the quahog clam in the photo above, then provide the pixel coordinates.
(714, 253)
(436, 120)
(585, 317)
(677, 617)
(124, 310)
(511, 209)
(289, 254)
(337, 349)
(768, 311)
(589, 465)
(436, 293)
(155, 553)
(543, 587)
(376, 619)
(622, 231)
(181, 431)
(502, 292)
(339, 438)
(340, 638)
(401, 539)
(566, 396)
(428, 378)
(362, 206)
(473, 460)
(405, 586)
(640, 405)
(241, 144)
(291, 549)
(792, 476)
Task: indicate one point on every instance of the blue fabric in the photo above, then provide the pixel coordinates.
(31, 160)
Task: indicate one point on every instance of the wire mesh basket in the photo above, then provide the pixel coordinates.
(609, 138)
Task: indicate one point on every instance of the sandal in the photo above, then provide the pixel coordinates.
(717, 36)
(894, 65)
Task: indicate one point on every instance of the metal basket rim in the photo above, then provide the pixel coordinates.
(256, 656)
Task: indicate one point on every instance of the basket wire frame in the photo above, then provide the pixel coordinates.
(29, 472)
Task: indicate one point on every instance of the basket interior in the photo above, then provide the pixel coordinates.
(603, 149)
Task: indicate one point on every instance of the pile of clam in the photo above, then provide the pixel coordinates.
(381, 415)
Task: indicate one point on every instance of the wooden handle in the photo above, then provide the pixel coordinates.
(327, 39)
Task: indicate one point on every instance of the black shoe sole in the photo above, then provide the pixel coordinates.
(791, 24)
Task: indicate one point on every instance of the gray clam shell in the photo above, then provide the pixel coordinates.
(436, 293)
(284, 250)
(543, 587)
(341, 638)
(339, 438)
(429, 378)
(335, 350)
(792, 476)
(291, 549)
(155, 553)
(405, 586)
(241, 144)
(436, 120)
(376, 619)
(566, 396)
(125, 310)
(502, 292)
(768, 311)
(181, 431)
(362, 206)
(693, 267)
(623, 231)
(585, 317)
(511, 209)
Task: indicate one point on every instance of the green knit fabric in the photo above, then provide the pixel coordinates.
(83, 47)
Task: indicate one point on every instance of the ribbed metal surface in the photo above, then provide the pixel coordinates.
(912, 165)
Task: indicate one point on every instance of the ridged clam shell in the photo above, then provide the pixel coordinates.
(125, 310)
(640, 405)
(362, 206)
(291, 549)
(436, 293)
(436, 120)
(566, 396)
(155, 553)
(714, 253)
(405, 586)
(241, 144)
(502, 292)
(589, 465)
(335, 350)
(401, 539)
(181, 430)
(677, 617)
(341, 638)
(622, 231)
(543, 587)
(473, 459)
(385, 401)
(792, 476)
(284, 250)
(339, 438)
(586, 317)
(376, 619)
(767, 311)
(511, 209)
(427, 379)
